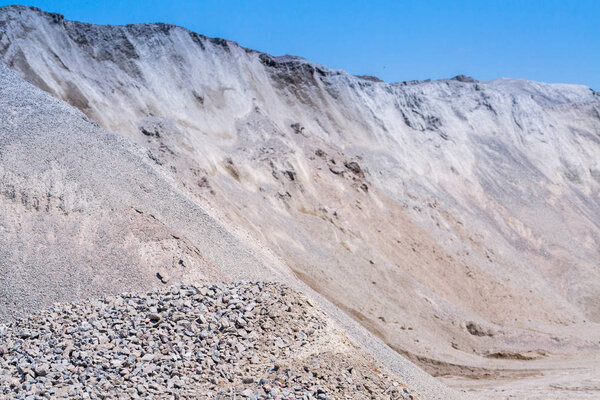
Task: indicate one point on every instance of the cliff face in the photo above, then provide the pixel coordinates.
(456, 219)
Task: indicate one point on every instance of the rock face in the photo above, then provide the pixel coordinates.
(244, 340)
(426, 210)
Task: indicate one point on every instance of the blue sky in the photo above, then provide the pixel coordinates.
(551, 41)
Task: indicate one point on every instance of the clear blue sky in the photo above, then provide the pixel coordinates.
(551, 41)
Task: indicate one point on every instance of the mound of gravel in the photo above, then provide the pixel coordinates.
(242, 340)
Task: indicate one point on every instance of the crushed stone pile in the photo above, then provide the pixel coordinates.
(223, 341)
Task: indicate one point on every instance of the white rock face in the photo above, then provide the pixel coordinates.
(458, 220)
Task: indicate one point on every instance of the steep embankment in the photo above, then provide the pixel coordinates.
(456, 219)
(85, 213)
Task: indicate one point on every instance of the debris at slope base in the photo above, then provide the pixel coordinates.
(242, 340)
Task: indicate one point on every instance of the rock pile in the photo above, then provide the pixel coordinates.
(242, 341)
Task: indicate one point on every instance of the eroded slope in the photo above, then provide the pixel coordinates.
(456, 219)
(86, 213)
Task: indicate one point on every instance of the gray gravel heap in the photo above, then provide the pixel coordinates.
(243, 340)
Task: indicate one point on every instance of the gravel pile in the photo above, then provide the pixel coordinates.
(244, 340)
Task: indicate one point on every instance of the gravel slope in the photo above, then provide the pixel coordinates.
(99, 217)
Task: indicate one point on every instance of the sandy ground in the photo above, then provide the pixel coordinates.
(557, 378)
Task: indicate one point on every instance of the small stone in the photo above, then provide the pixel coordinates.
(154, 318)
(163, 277)
(41, 370)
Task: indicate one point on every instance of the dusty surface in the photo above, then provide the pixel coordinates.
(557, 377)
(455, 219)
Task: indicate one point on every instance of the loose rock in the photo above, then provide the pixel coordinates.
(242, 340)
